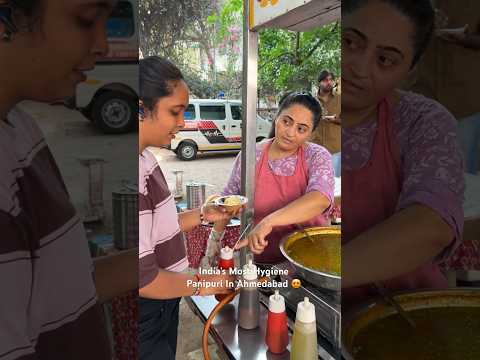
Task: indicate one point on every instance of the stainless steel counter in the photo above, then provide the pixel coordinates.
(240, 344)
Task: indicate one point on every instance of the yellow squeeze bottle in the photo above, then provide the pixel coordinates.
(304, 340)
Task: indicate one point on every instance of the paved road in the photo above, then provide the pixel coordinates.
(70, 136)
(213, 169)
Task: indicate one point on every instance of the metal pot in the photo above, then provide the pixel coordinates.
(354, 322)
(195, 195)
(317, 278)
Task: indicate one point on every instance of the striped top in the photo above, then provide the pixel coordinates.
(48, 298)
(161, 244)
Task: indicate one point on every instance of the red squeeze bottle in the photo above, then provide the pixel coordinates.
(225, 263)
(277, 329)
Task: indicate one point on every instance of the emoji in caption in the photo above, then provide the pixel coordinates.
(296, 283)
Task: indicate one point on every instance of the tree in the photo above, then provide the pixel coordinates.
(163, 22)
(168, 28)
(292, 60)
(287, 60)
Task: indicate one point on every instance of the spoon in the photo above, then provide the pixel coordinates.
(390, 300)
(305, 232)
(242, 234)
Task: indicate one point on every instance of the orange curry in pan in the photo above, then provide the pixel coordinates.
(322, 254)
(445, 333)
(447, 327)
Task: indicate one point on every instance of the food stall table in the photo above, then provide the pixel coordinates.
(237, 343)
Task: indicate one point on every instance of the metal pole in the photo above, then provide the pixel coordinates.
(249, 128)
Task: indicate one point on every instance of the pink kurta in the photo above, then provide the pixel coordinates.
(370, 195)
(273, 192)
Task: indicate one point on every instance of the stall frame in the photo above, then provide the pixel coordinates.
(296, 15)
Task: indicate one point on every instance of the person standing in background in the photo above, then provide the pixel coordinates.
(328, 133)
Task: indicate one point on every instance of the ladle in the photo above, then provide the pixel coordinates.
(242, 235)
(305, 232)
(385, 294)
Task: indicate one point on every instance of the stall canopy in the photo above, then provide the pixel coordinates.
(294, 15)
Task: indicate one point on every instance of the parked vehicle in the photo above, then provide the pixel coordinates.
(109, 96)
(213, 126)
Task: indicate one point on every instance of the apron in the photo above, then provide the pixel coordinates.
(273, 192)
(370, 195)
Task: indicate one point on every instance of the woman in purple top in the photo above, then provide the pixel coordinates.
(294, 179)
(402, 175)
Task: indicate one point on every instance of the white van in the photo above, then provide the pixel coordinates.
(213, 126)
(109, 96)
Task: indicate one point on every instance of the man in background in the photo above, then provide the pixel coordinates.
(328, 133)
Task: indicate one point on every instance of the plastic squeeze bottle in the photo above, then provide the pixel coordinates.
(304, 341)
(249, 303)
(226, 262)
(277, 329)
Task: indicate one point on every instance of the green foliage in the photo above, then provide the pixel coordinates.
(170, 28)
(230, 15)
(290, 60)
(287, 60)
(207, 89)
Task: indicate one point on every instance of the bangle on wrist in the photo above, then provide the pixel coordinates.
(217, 235)
(197, 287)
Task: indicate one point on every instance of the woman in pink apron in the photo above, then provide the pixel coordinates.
(294, 179)
(402, 169)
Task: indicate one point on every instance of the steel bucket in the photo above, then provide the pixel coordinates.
(125, 218)
(195, 195)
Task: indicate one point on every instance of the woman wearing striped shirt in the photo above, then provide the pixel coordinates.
(49, 306)
(164, 97)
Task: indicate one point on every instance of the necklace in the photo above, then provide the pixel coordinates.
(277, 154)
